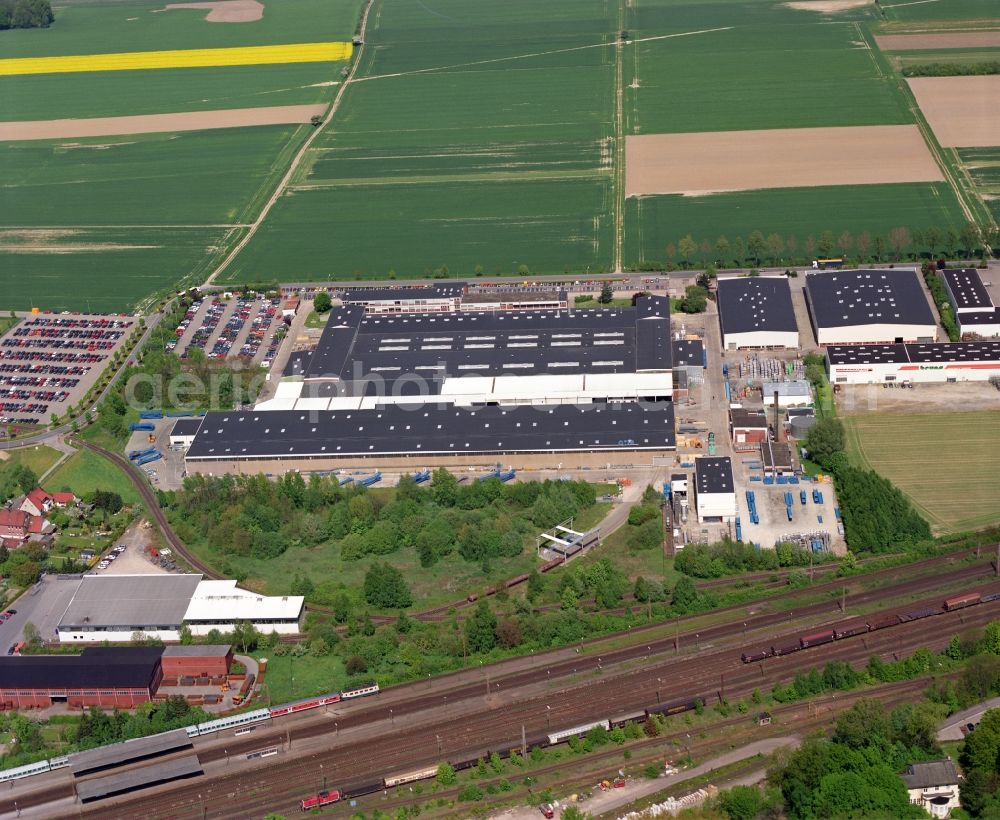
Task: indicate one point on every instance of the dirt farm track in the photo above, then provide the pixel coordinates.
(700, 163)
(159, 123)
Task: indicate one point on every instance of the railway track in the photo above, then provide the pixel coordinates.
(387, 747)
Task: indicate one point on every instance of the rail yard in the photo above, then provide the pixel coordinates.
(417, 726)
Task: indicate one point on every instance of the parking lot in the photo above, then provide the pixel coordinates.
(226, 328)
(48, 362)
(43, 605)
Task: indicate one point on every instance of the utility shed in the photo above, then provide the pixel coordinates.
(183, 432)
(855, 307)
(757, 312)
(748, 428)
(790, 394)
(197, 661)
(715, 490)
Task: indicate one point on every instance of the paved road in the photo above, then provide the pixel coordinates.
(952, 728)
(603, 802)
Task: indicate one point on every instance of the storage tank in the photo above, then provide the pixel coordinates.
(800, 425)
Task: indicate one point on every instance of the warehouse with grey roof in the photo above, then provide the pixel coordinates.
(757, 312)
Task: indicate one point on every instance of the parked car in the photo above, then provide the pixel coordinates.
(11, 612)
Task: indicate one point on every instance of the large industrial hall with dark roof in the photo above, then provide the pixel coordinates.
(529, 388)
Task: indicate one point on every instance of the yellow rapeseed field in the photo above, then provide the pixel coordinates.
(182, 58)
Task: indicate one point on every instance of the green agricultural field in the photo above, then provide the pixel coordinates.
(948, 464)
(169, 90)
(199, 185)
(940, 10)
(86, 472)
(107, 26)
(414, 230)
(657, 221)
(105, 270)
(495, 154)
(186, 178)
(772, 68)
(983, 166)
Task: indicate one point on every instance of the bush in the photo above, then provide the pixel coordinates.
(470, 793)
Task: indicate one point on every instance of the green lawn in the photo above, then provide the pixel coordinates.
(656, 221)
(315, 320)
(291, 678)
(86, 472)
(38, 458)
(7, 322)
(948, 463)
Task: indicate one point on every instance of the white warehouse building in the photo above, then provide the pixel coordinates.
(863, 307)
(714, 489)
(918, 363)
(115, 607)
(757, 312)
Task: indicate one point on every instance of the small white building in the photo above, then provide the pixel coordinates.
(184, 430)
(859, 307)
(756, 312)
(981, 324)
(715, 490)
(933, 786)
(790, 394)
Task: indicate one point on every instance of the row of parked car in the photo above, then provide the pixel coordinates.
(107, 560)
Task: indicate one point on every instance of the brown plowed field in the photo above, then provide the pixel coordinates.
(703, 163)
(963, 111)
(226, 11)
(953, 39)
(158, 123)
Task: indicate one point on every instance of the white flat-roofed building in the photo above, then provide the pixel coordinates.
(714, 488)
(861, 307)
(183, 432)
(790, 394)
(220, 604)
(115, 607)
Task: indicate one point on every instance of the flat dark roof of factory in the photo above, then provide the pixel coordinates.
(434, 429)
(298, 361)
(868, 297)
(112, 668)
(714, 474)
(403, 293)
(744, 417)
(186, 427)
(979, 317)
(917, 353)
(866, 354)
(688, 353)
(390, 347)
(967, 289)
(756, 303)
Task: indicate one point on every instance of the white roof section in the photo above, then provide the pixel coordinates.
(285, 396)
(548, 388)
(224, 601)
